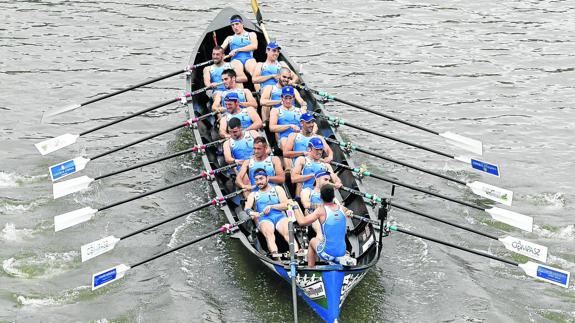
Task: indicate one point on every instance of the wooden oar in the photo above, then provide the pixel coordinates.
(523, 247)
(76, 164)
(82, 215)
(476, 164)
(101, 246)
(472, 145)
(47, 146)
(494, 193)
(71, 107)
(514, 219)
(293, 263)
(257, 12)
(115, 273)
(83, 182)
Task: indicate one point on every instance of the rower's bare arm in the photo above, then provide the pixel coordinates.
(207, 78)
(226, 42)
(283, 205)
(257, 77)
(223, 128)
(334, 178)
(294, 77)
(241, 174)
(217, 105)
(301, 101)
(257, 121)
(327, 149)
(310, 218)
(296, 176)
(279, 177)
(228, 153)
(274, 127)
(253, 43)
(305, 198)
(265, 99)
(250, 100)
(288, 147)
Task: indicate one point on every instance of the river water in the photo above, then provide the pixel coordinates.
(498, 71)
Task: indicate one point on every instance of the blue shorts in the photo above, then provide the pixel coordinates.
(323, 255)
(274, 218)
(242, 58)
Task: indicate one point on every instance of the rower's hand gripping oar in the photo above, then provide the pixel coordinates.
(73, 218)
(523, 247)
(257, 12)
(115, 273)
(54, 112)
(494, 193)
(101, 246)
(514, 219)
(491, 169)
(48, 146)
(75, 165)
(472, 145)
(83, 182)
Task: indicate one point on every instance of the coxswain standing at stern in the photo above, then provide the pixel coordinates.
(242, 45)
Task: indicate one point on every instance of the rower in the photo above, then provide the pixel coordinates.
(272, 94)
(331, 246)
(249, 118)
(266, 207)
(285, 119)
(242, 45)
(306, 167)
(261, 159)
(297, 143)
(266, 73)
(246, 98)
(240, 147)
(213, 73)
(311, 199)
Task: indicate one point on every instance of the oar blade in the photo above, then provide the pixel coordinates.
(71, 186)
(494, 193)
(514, 219)
(68, 167)
(98, 247)
(70, 219)
(545, 273)
(482, 166)
(51, 145)
(108, 276)
(472, 145)
(54, 112)
(526, 248)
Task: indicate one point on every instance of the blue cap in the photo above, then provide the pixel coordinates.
(307, 117)
(273, 45)
(315, 142)
(261, 172)
(287, 91)
(232, 96)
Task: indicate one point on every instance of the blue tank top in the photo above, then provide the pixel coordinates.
(242, 149)
(264, 199)
(311, 167)
(265, 164)
(286, 117)
(216, 75)
(300, 142)
(276, 94)
(270, 69)
(239, 41)
(334, 229)
(315, 200)
(241, 95)
(243, 116)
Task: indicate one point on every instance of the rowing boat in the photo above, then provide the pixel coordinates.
(324, 287)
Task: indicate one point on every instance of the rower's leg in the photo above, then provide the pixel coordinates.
(239, 69)
(268, 230)
(317, 228)
(266, 113)
(283, 229)
(250, 66)
(311, 254)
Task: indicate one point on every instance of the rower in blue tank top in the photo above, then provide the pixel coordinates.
(241, 96)
(306, 167)
(276, 94)
(267, 73)
(216, 75)
(243, 116)
(242, 45)
(240, 147)
(249, 118)
(312, 167)
(243, 148)
(285, 119)
(212, 74)
(240, 41)
(331, 247)
(265, 164)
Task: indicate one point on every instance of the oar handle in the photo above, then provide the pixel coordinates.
(197, 208)
(415, 188)
(381, 114)
(225, 228)
(339, 121)
(348, 145)
(140, 140)
(479, 253)
(133, 87)
(179, 153)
